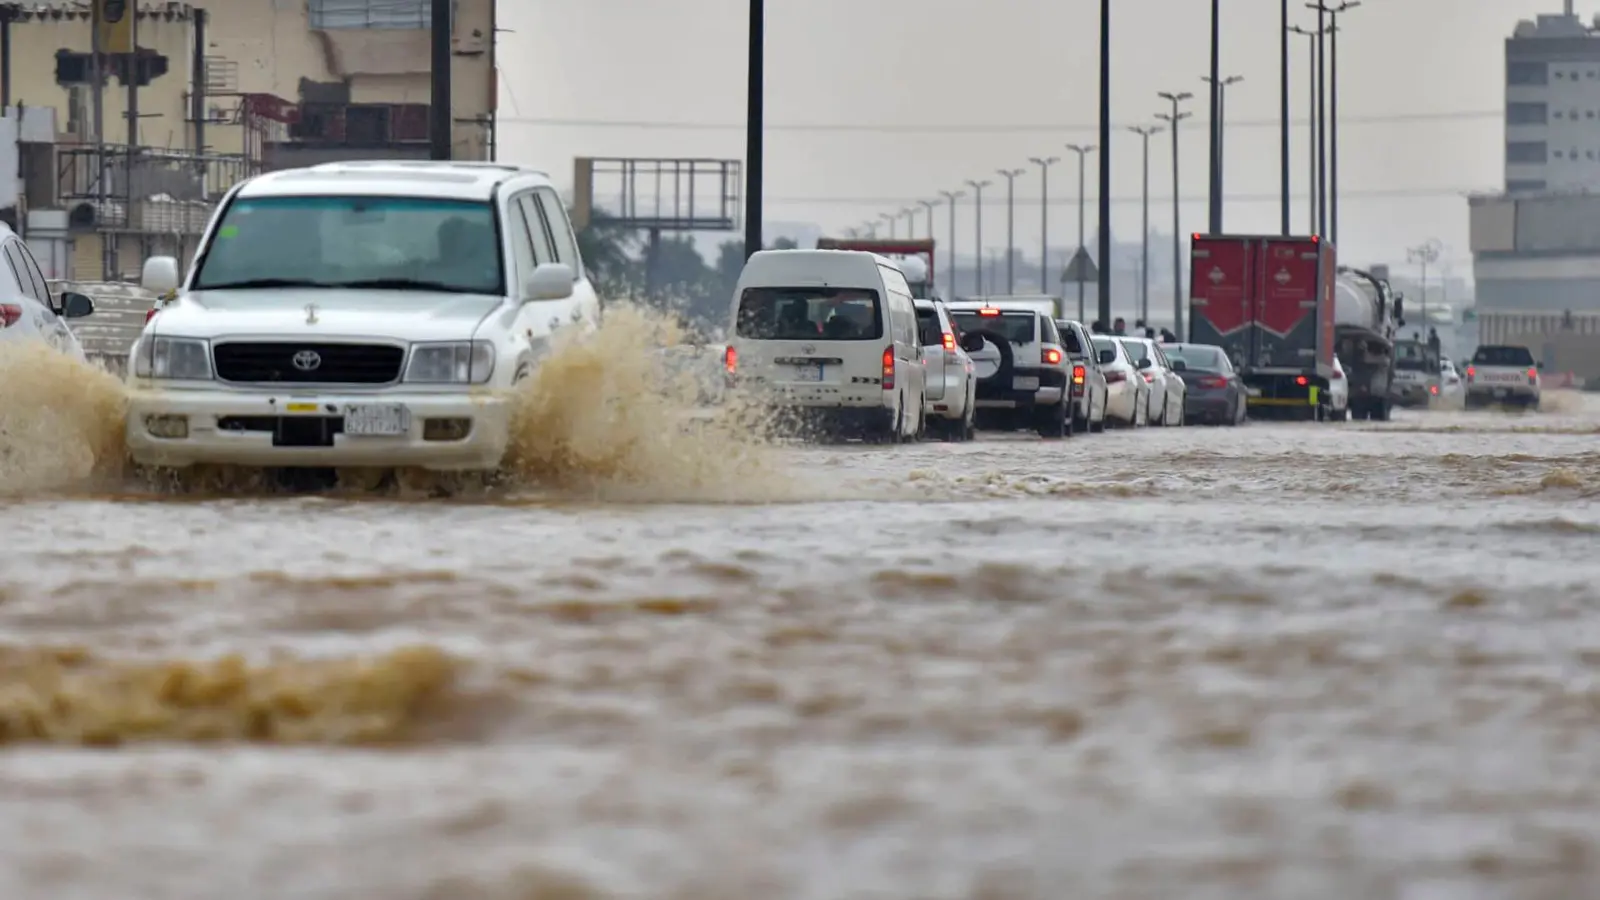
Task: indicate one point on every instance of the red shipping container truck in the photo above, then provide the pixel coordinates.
(1268, 302)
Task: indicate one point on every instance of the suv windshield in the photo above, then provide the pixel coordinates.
(1516, 357)
(389, 242)
(1016, 327)
(809, 314)
(1197, 359)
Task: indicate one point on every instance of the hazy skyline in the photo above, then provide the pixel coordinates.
(873, 105)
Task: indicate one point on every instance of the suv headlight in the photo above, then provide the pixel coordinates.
(176, 359)
(456, 362)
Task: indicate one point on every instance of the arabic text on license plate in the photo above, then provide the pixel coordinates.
(376, 419)
(808, 373)
(1028, 383)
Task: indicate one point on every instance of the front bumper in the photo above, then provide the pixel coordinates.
(1502, 393)
(177, 428)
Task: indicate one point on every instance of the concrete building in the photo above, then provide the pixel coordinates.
(228, 88)
(1553, 105)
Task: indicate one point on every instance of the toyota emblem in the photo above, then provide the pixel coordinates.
(307, 360)
(808, 349)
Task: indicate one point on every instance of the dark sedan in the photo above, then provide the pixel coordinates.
(1216, 395)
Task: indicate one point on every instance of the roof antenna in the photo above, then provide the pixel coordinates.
(1568, 7)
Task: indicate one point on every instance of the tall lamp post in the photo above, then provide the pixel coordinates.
(1044, 163)
(893, 221)
(1333, 13)
(1214, 216)
(1010, 175)
(1313, 127)
(977, 206)
(1144, 132)
(1083, 151)
(1283, 113)
(1104, 286)
(1425, 255)
(755, 95)
(1219, 129)
(910, 214)
(1172, 119)
(950, 198)
(929, 205)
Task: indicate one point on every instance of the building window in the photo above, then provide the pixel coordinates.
(1527, 152)
(1527, 73)
(1558, 115)
(1556, 154)
(1525, 186)
(329, 15)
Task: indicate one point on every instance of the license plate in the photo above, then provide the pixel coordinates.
(1500, 392)
(808, 373)
(1028, 383)
(376, 419)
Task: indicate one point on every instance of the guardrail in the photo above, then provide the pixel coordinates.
(119, 316)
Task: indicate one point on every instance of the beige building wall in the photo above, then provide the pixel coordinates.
(275, 50)
(163, 117)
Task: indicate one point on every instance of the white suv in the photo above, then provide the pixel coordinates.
(368, 314)
(1022, 369)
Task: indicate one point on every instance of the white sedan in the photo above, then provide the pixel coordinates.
(1165, 399)
(1127, 393)
(27, 310)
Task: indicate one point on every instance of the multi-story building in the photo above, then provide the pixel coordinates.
(1552, 105)
(224, 89)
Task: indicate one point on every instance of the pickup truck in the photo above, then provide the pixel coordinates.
(1502, 375)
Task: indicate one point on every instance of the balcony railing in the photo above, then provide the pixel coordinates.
(146, 190)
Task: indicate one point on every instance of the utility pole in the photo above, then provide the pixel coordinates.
(977, 253)
(893, 220)
(950, 197)
(440, 121)
(1322, 118)
(1172, 119)
(1083, 151)
(929, 205)
(910, 214)
(1283, 114)
(1044, 163)
(1333, 111)
(1144, 132)
(1312, 130)
(1219, 130)
(1010, 175)
(1215, 210)
(1104, 287)
(755, 97)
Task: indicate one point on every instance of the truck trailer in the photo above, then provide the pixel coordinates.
(1367, 317)
(1268, 302)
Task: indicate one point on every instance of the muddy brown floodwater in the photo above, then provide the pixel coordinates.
(1276, 661)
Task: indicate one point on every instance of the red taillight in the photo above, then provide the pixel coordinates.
(1214, 381)
(949, 341)
(1532, 374)
(1338, 375)
(1433, 389)
(1077, 374)
(151, 314)
(888, 368)
(1149, 377)
(730, 360)
(1472, 372)
(10, 314)
(1302, 381)
(988, 312)
(1052, 356)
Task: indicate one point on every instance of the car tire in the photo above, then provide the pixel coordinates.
(1054, 422)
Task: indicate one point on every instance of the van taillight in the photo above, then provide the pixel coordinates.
(888, 368)
(730, 360)
(1077, 374)
(949, 341)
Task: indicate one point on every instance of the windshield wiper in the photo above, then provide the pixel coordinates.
(262, 283)
(406, 284)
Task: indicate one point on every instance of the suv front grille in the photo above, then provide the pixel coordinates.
(319, 363)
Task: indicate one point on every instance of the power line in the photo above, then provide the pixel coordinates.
(1414, 118)
(1434, 193)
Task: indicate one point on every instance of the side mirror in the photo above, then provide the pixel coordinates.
(1146, 363)
(1400, 309)
(75, 305)
(550, 281)
(1107, 357)
(1400, 322)
(1179, 365)
(972, 342)
(160, 274)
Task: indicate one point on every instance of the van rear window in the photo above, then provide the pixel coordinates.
(809, 314)
(1016, 327)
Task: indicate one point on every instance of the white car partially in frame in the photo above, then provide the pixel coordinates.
(359, 314)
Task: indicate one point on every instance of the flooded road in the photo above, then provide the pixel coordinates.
(1281, 661)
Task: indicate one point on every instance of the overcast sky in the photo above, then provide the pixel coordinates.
(992, 84)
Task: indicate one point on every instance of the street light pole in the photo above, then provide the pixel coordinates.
(977, 205)
(950, 197)
(1010, 175)
(1283, 114)
(1144, 132)
(1333, 113)
(753, 127)
(1215, 80)
(1172, 119)
(910, 214)
(1220, 131)
(1044, 163)
(1312, 130)
(1083, 151)
(929, 205)
(1322, 117)
(1425, 254)
(1104, 287)
(893, 220)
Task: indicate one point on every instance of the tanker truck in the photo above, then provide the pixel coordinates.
(1366, 317)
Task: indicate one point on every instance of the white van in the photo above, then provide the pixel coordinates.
(831, 336)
